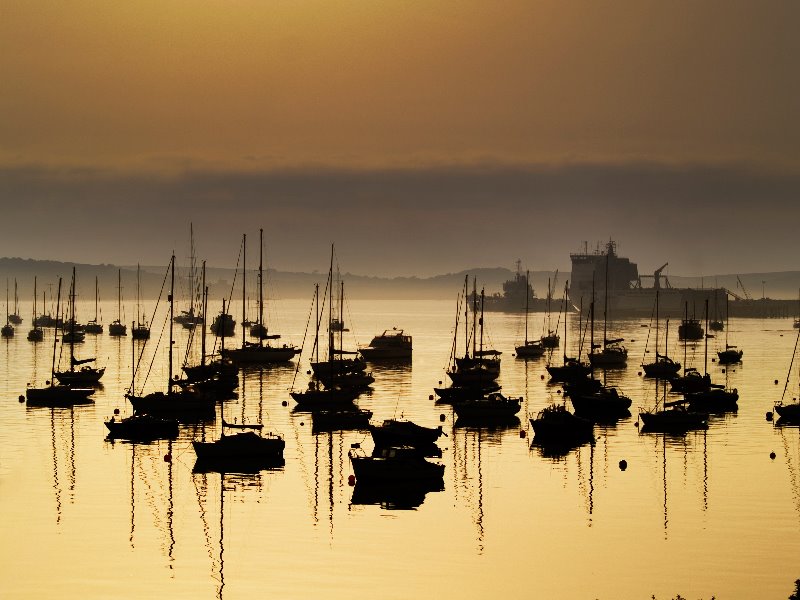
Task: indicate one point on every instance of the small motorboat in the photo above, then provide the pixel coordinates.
(392, 344)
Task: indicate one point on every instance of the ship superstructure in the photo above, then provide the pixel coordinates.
(629, 293)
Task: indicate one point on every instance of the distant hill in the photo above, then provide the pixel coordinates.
(286, 285)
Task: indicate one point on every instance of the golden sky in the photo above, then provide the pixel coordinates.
(475, 132)
(264, 84)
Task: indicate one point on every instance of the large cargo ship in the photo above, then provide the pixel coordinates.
(631, 294)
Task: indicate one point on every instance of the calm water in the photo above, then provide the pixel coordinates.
(705, 514)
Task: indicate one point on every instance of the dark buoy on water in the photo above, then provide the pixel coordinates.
(639, 373)
(442, 417)
(116, 411)
(772, 455)
(623, 464)
(542, 377)
(776, 382)
(522, 433)
(769, 415)
(284, 403)
(430, 396)
(21, 398)
(168, 458)
(351, 480)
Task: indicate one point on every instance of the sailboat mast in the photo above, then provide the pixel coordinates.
(72, 324)
(565, 320)
(685, 319)
(96, 297)
(481, 347)
(330, 310)
(204, 309)
(316, 310)
(171, 316)
(605, 301)
(591, 323)
(133, 361)
(261, 328)
(466, 316)
(16, 298)
(341, 315)
(656, 325)
(34, 303)
(727, 319)
(119, 295)
(549, 296)
(192, 268)
(138, 285)
(527, 298)
(244, 287)
(705, 349)
(581, 332)
(55, 337)
(474, 314)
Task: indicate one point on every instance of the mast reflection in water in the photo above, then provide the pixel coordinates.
(506, 509)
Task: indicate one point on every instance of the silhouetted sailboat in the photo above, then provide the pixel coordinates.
(86, 375)
(532, 348)
(482, 366)
(551, 338)
(7, 330)
(338, 370)
(176, 402)
(53, 394)
(671, 417)
(716, 323)
(14, 317)
(731, 354)
(142, 330)
(261, 352)
(663, 367)
(94, 326)
(595, 401)
(572, 368)
(37, 333)
(188, 318)
(790, 411)
(689, 329)
(716, 399)
(117, 327)
(612, 354)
